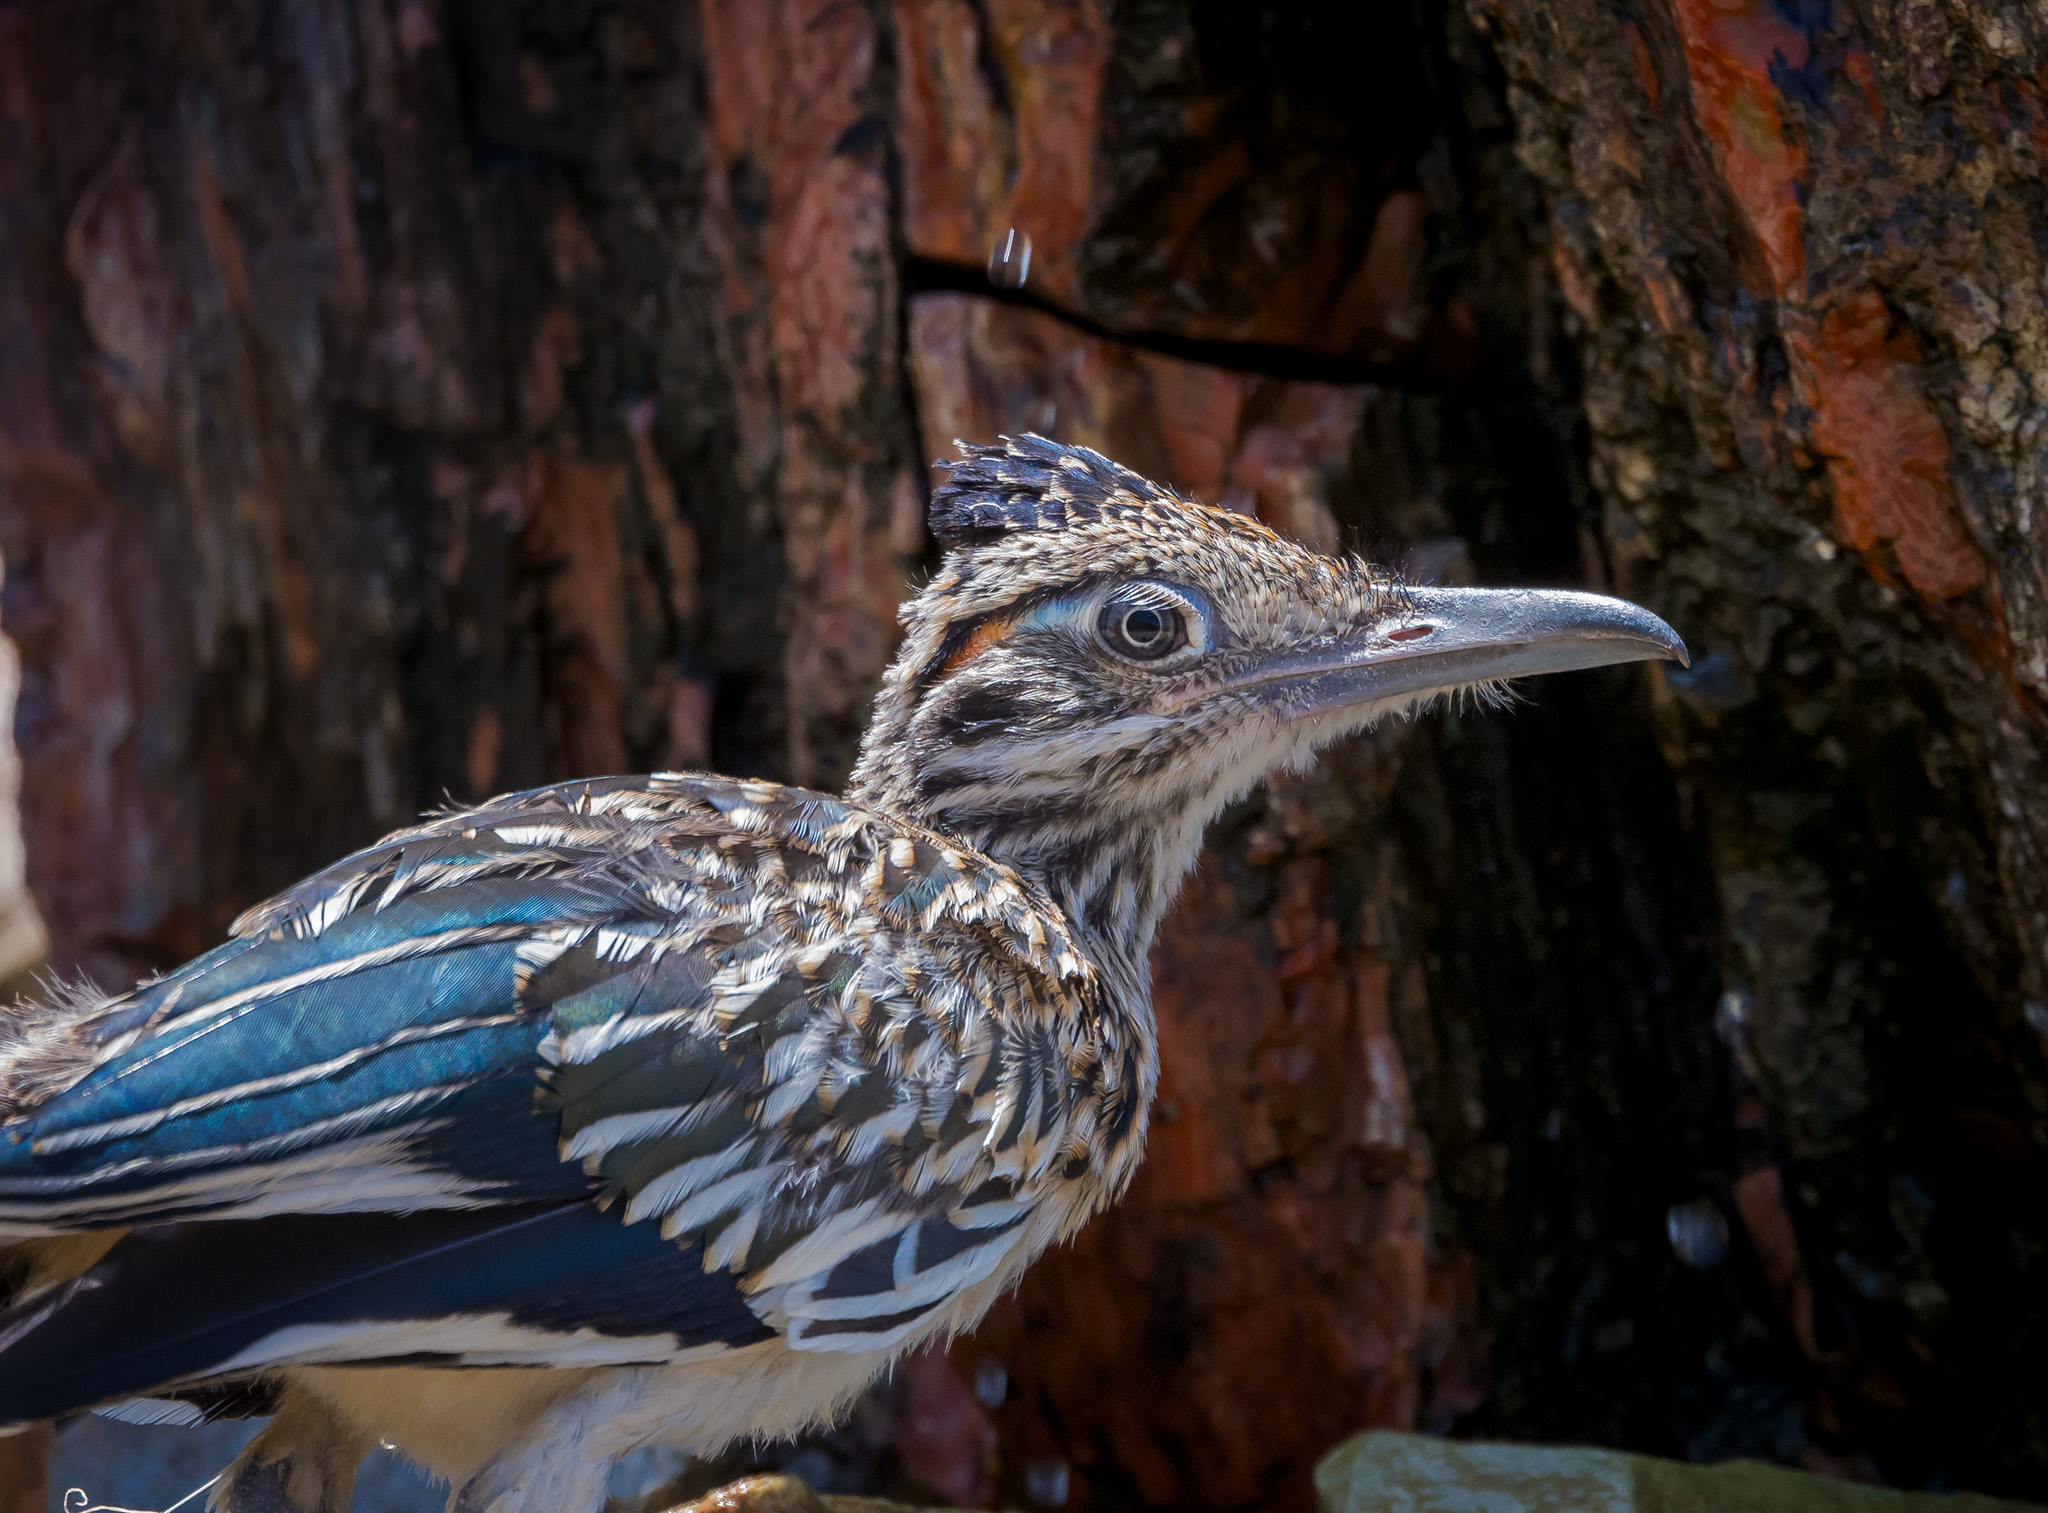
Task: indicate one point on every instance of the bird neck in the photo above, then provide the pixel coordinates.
(1112, 876)
(1112, 885)
(1111, 854)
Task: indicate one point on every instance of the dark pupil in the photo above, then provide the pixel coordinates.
(1144, 626)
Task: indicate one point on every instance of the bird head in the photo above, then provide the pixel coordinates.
(1099, 666)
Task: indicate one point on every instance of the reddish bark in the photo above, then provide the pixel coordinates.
(974, 165)
(1887, 455)
(1274, 1260)
(1285, 1194)
(401, 401)
(941, 1432)
(1001, 128)
(810, 304)
(24, 1478)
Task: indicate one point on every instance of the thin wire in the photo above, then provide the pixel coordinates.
(85, 1504)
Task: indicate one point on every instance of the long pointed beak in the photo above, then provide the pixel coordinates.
(1452, 637)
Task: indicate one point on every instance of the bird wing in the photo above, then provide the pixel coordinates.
(365, 1042)
(833, 1063)
(182, 1305)
(926, 1077)
(912, 1096)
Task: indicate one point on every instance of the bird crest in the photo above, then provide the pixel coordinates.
(1031, 484)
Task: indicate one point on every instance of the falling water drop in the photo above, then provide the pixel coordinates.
(1009, 261)
(1731, 1019)
(1047, 1481)
(1698, 1232)
(991, 1383)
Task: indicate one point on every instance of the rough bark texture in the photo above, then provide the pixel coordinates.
(1802, 246)
(24, 1486)
(409, 399)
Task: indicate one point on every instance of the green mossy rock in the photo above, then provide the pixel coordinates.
(1381, 1471)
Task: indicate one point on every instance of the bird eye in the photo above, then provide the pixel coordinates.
(1143, 630)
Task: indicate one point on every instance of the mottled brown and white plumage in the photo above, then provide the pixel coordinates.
(671, 1110)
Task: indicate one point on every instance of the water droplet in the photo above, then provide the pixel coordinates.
(991, 1383)
(1009, 261)
(1731, 1018)
(1046, 1481)
(1698, 1232)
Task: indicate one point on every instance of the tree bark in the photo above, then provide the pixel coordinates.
(24, 1482)
(406, 400)
(1801, 251)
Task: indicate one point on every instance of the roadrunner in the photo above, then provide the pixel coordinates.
(672, 1109)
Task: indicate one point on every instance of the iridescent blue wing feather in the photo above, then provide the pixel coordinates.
(304, 1072)
(818, 1073)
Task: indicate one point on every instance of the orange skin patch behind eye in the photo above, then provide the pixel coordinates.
(985, 635)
